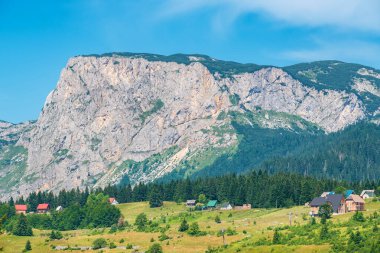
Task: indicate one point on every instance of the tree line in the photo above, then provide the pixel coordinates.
(257, 188)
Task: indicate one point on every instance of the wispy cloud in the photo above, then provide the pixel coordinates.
(349, 51)
(362, 15)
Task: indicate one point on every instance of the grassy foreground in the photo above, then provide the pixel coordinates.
(250, 226)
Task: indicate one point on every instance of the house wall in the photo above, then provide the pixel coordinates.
(19, 212)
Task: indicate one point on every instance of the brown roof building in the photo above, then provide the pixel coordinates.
(355, 203)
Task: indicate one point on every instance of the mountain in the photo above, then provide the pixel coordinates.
(130, 118)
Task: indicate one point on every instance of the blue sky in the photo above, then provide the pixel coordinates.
(38, 37)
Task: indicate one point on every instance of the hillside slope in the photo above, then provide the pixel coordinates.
(132, 118)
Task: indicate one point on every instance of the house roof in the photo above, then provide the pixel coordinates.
(21, 207)
(356, 198)
(225, 205)
(212, 203)
(370, 193)
(43, 206)
(191, 201)
(348, 193)
(318, 201)
(335, 200)
(324, 194)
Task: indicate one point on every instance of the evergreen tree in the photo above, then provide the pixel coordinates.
(28, 246)
(155, 199)
(325, 211)
(22, 227)
(324, 233)
(141, 221)
(276, 237)
(155, 248)
(184, 226)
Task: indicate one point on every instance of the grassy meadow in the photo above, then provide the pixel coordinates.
(250, 226)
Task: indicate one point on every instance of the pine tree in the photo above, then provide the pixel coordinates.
(28, 246)
(155, 199)
(276, 237)
(184, 226)
(22, 227)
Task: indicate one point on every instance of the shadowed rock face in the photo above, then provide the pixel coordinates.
(112, 109)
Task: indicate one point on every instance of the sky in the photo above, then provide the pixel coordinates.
(38, 37)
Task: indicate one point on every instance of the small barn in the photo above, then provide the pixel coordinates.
(225, 206)
(191, 203)
(366, 194)
(212, 204)
(43, 208)
(21, 209)
(355, 203)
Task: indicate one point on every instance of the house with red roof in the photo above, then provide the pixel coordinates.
(21, 209)
(43, 208)
(113, 201)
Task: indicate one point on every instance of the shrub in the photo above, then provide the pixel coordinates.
(55, 235)
(28, 246)
(113, 229)
(99, 243)
(194, 230)
(217, 219)
(141, 221)
(112, 245)
(358, 216)
(163, 237)
(155, 248)
(276, 237)
(324, 233)
(184, 226)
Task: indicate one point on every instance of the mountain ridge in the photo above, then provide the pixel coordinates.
(116, 118)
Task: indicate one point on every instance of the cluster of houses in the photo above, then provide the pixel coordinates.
(341, 203)
(41, 208)
(45, 207)
(213, 204)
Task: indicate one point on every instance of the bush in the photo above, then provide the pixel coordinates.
(155, 248)
(358, 216)
(113, 229)
(112, 245)
(99, 243)
(276, 237)
(28, 246)
(184, 226)
(194, 230)
(217, 219)
(163, 237)
(324, 233)
(55, 235)
(141, 221)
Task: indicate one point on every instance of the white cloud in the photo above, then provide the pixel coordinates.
(362, 15)
(349, 51)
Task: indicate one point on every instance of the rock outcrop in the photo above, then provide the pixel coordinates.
(106, 111)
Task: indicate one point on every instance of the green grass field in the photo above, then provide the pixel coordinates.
(250, 225)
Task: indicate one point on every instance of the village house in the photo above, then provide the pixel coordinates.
(43, 208)
(21, 209)
(337, 202)
(243, 207)
(366, 194)
(355, 203)
(212, 204)
(225, 206)
(113, 201)
(191, 202)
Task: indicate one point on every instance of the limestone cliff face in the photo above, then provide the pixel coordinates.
(108, 110)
